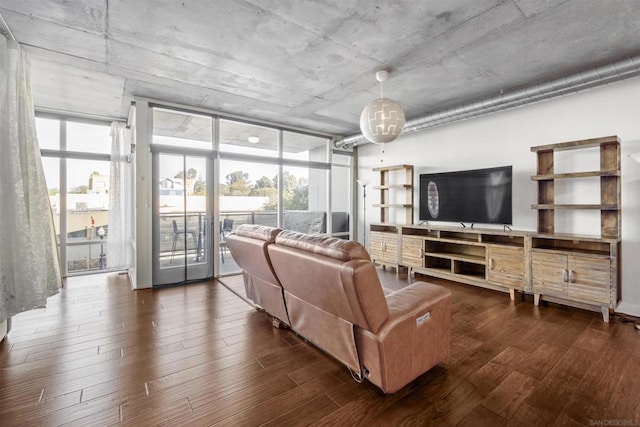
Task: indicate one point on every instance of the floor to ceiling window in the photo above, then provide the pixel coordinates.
(262, 174)
(76, 160)
(248, 179)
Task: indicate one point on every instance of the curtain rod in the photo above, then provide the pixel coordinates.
(63, 114)
(5, 30)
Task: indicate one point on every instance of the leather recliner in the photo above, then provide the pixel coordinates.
(335, 300)
(248, 245)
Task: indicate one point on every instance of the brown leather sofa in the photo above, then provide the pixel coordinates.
(334, 299)
(248, 245)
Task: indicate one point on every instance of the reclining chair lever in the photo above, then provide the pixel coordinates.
(421, 319)
(359, 376)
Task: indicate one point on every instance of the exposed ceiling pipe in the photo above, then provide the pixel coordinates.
(605, 74)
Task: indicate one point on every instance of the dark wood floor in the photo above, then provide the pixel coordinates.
(100, 354)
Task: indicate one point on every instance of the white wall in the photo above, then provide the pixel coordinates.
(141, 273)
(505, 139)
(4, 328)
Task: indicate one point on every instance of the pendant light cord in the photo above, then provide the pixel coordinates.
(382, 148)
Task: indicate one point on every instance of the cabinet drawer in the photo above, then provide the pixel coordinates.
(506, 265)
(547, 271)
(590, 278)
(412, 251)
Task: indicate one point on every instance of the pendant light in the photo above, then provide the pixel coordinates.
(382, 119)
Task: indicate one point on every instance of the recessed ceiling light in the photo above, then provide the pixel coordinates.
(253, 139)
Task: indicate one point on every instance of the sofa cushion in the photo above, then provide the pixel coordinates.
(260, 232)
(343, 250)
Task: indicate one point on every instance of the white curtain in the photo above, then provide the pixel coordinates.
(119, 250)
(29, 262)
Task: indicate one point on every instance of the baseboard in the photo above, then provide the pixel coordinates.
(627, 308)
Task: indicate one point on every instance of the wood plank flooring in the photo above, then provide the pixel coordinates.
(101, 354)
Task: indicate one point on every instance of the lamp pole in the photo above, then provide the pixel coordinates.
(363, 183)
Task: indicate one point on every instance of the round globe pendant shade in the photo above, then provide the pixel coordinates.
(382, 120)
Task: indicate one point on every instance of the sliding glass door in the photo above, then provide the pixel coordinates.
(182, 223)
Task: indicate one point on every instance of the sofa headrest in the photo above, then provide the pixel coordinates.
(261, 232)
(343, 250)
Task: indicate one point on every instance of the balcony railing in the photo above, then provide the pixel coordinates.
(89, 253)
(86, 254)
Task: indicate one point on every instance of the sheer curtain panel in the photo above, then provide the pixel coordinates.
(29, 262)
(119, 236)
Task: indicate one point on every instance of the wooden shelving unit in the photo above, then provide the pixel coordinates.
(387, 185)
(569, 269)
(581, 271)
(492, 259)
(396, 184)
(609, 173)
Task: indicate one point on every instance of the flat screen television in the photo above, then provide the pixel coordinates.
(473, 196)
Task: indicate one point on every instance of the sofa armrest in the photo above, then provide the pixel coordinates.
(412, 340)
(412, 302)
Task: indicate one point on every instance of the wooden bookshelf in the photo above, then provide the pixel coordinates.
(577, 270)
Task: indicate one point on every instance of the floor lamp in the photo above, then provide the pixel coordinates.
(363, 183)
(636, 157)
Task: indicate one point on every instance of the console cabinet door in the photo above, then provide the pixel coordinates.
(590, 278)
(376, 245)
(506, 265)
(412, 251)
(549, 273)
(390, 248)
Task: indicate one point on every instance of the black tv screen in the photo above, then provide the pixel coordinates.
(472, 196)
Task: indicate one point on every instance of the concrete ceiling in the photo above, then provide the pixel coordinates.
(309, 63)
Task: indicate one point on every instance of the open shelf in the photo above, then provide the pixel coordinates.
(455, 241)
(385, 228)
(463, 268)
(392, 168)
(460, 235)
(574, 245)
(473, 250)
(574, 237)
(416, 230)
(504, 240)
(386, 187)
(583, 143)
(393, 205)
(440, 264)
(547, 206)
(457, 257)
(585, 174)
